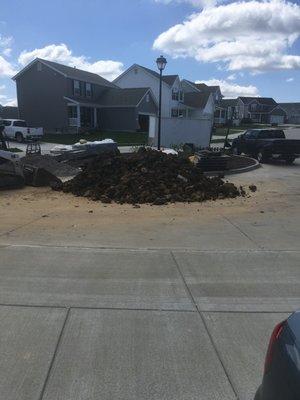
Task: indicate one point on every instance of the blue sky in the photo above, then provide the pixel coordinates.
(106, 37)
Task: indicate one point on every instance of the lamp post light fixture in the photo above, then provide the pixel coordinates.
(161, 65)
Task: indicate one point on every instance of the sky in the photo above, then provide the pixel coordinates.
(248, 47)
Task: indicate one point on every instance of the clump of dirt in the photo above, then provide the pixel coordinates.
(253, 188)
(49, 163)
(147, 176)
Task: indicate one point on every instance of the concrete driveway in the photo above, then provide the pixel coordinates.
(174, 302)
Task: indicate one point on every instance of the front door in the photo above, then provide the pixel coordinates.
(87, 117)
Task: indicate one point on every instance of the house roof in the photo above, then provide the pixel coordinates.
(228, 102)
(196, 100)
(71, 72)
(205, 88)
(113, 97)
(278, 111)
(261, 100)
(291, 108)
(168, 79)
(123, 97)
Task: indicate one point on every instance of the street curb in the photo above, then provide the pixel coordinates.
(236, 171)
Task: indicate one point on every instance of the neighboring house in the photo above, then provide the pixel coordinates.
(292, 111)
(258, 110)
(187, 112)
(9, 112)
(225, 111)
(65, 99)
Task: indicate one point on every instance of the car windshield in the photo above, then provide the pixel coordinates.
(21, 124)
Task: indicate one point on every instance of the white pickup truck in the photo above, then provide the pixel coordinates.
(18, 130)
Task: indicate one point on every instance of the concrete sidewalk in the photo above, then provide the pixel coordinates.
(174, 302)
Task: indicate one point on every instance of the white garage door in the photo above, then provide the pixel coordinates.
(277, 119)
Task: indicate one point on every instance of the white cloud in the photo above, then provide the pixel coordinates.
(289, 79)
(11, 103)
(6, 68)
(7, 52)
(232, 90)
(195, 3)
(62, 54)
(231, 77)
(248, 35)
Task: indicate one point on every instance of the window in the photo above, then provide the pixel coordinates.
(181, 96)
(175, 94)
(21, 124)
(76, 88)
(182, 113)
(5, 122)
(174, 113)
(178, 113)
(39, 66)
(72, 111)
(88, 90)
(251, 134)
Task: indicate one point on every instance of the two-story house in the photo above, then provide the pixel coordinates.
(187, 112)
(262, 110)
(62, 99)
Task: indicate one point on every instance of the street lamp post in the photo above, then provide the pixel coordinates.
(161, 65)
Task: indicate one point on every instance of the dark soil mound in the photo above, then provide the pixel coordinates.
(147, 176)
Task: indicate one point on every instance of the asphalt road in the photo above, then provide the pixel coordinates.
(162, 303)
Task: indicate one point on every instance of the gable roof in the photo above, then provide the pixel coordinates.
(291, 108)
(205, 88)
(228, 102)
(115, 97)
(278, 111)
(123, 97)
(196, 100)
(261, 100)
(70, 72)
(168, 79)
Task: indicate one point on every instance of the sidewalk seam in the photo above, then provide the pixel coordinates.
(54, 354)
(205, 326)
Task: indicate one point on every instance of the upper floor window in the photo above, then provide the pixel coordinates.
(88, 90)
(181, 96)
(147, 98)
(39, 66)
(175, 94)
(76, 88)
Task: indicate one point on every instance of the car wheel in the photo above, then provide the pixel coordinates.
(290, 160)
(236, 151)
(19, 137)
(261, 157)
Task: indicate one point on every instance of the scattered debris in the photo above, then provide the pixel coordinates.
(50, 164)
(253, 188)
(146, 176)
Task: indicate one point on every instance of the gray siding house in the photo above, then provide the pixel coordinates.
(60, 98)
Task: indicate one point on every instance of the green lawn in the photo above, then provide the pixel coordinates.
(122, 138)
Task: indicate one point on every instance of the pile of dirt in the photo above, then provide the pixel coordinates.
(49, 163)
(147, 176)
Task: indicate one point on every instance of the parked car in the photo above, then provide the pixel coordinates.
(18, 130)
(281, 380)
(265, 144)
